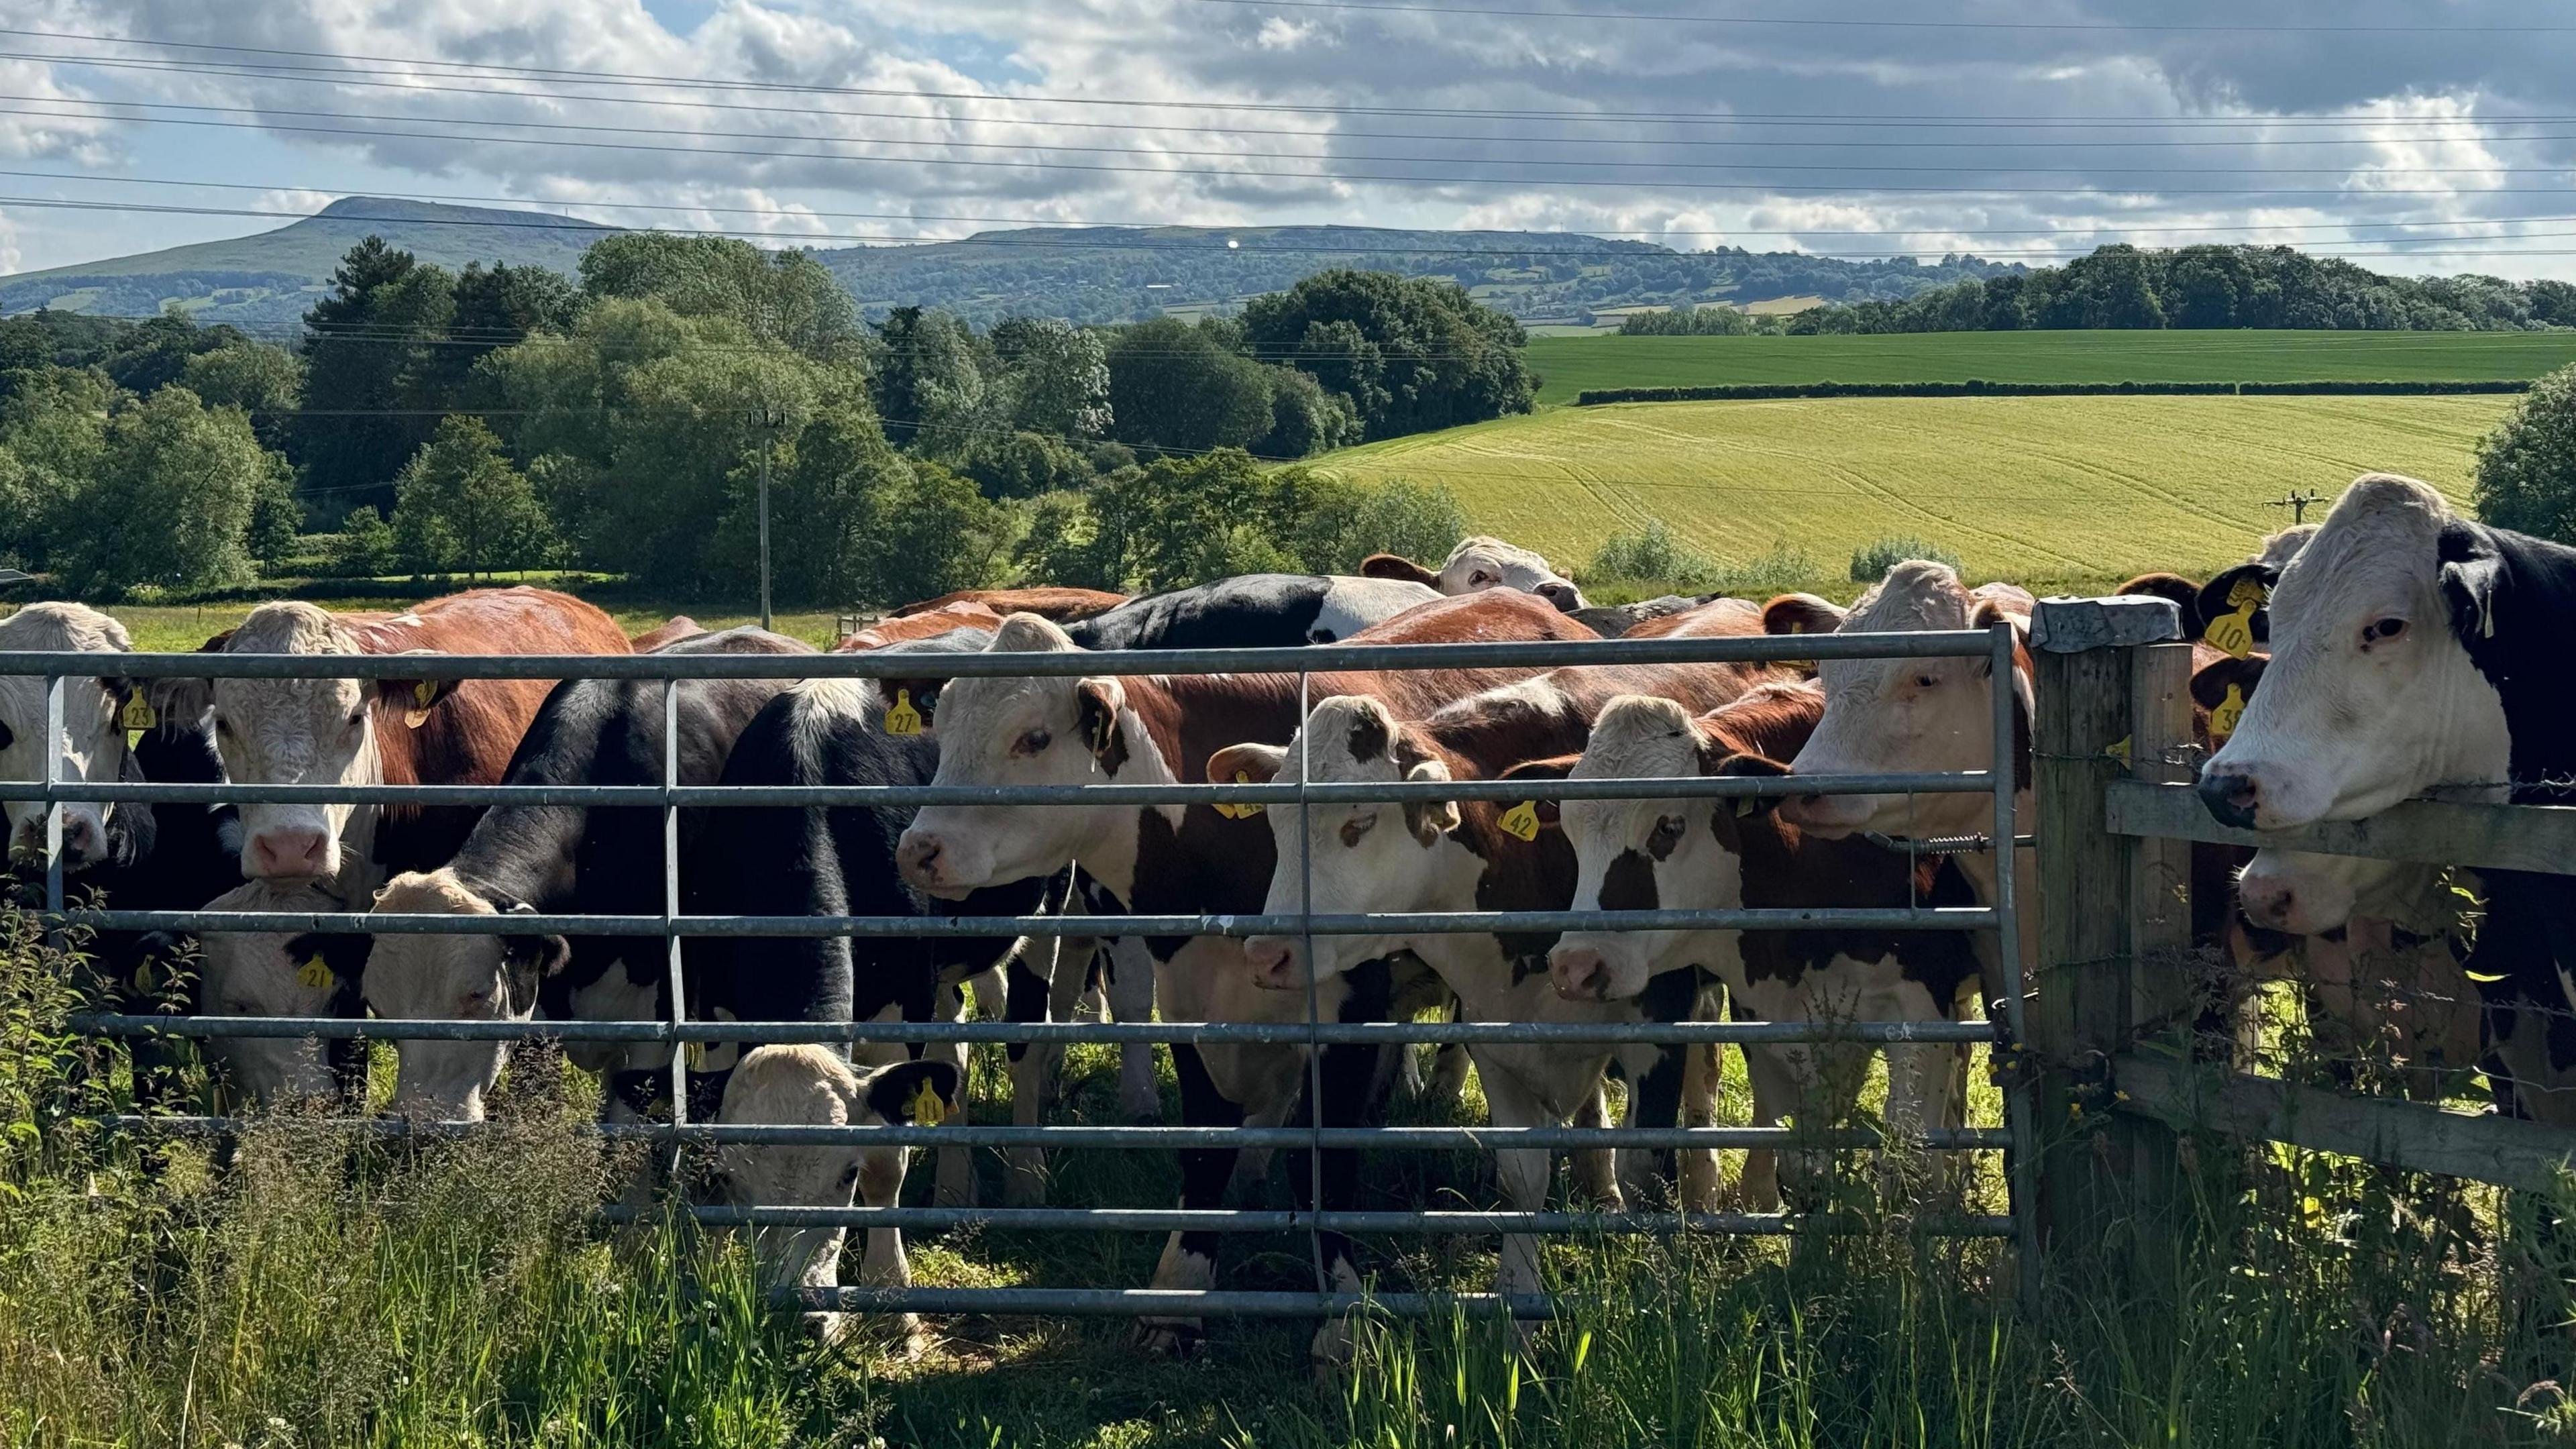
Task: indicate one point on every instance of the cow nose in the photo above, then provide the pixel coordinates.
(918, 858)
(1581, 973)
(1273, 960)
(83, 842)
(2270, 903)
(1564, 595)
(287, 853)
(2231, 797)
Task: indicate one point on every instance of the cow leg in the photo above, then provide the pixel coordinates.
(1131, 998)
(1348, 1075)
(1702, 1078)
(955, 1184)
(1596, 1169)
(1655, 1087)
(992, 994)
(882, 1263)
(1920, 1080)
(1189, 1259)
(1033, 1065)
(1521, 1173)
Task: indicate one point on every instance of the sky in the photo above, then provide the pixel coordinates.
(2419, 135)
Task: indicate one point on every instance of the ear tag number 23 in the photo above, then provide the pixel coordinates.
(135, 718)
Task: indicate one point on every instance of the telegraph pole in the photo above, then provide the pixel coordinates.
(2297, 502)
(771, 421)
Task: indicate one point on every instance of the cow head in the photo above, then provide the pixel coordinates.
(1478, 564)
(301, 732)
(2372, 695)
(1054, 731)
(811, 1086)
(91, 747)
(1636, 855)
(476, 978)
(1365, 858)
(1899, 715)
(273, 973)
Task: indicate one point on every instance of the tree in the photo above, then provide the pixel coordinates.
(172, 501)
(275, 517)
(1057, 376)
(1304, 418)
(264, 381)
(2525, 477)
(363, 345)
(934, 383)
(1411, 353)
(463, 508)
(784, 297)
(492, 309)
(54, 425)
(364, 546)
(1175, 387)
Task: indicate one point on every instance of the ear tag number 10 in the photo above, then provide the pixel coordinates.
(136, 717)
(2234, 631)
(900, 717)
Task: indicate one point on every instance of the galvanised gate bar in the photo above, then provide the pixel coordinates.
(1994, 645)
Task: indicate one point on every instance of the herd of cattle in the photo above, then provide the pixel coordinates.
(2399, 649)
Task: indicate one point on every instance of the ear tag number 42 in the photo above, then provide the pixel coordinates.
(1521, 821)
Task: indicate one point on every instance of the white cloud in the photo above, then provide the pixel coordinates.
(1278, 34)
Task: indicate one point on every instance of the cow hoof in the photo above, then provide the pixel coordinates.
(1170, 1337)
(1330, 1354)
(825, 1328)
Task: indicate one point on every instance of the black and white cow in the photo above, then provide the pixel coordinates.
(1251, 611)
(602, 860)
(2416, 650)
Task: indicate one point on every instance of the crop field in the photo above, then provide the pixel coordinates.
(2047, 491)
(1570, 364)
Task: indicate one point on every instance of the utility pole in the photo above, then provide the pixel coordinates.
(2297, 502)
(771, 421)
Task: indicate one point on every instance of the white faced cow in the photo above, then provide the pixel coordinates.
(273, 973)
(91, 747)
(1481, 563)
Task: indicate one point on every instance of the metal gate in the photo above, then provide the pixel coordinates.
(1995, 645)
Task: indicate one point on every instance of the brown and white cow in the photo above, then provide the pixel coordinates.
(1481, 563)
(1059, 604)
(399, 732)
(265, 973)
(1718, 854)
(91, 748)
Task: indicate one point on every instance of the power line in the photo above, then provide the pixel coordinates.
(1301, 176)
(1838, 23)
(349, 78)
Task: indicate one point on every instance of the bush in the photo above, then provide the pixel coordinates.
(2526, 469)
(1782, 569)
(461, 506)
(1870, 564)
(1023, 465)
(1343, 523)
(364, 546)
(1652, 555)
(172, 501)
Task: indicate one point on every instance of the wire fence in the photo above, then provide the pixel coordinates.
(679, 1034)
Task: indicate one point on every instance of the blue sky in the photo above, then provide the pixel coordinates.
(2420, 135)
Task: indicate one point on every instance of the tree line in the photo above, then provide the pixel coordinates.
(471, 422)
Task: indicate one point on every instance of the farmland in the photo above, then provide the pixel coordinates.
(2049, 491)
(1571, 364)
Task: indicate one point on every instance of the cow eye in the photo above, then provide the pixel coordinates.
(1357, 826)
(1480, 577)
(1667, 834)
(474, 1000)
(223, 726)
(1032, 742)
(850, 1175)
(1927, 681)
(2382, 629)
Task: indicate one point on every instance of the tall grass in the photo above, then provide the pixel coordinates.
(309, 1289)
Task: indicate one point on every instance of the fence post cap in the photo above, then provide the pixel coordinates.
(2071, 626)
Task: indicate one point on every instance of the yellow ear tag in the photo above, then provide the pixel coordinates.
(927, 1108)
(696, 1056)
(2247, 591)
(1521, 821)
(2222, 720)
(1241, 812)
(2119, 749)
(142, 978)
(136, 717)
(423, 694)
(2482, 978)
(314, 974)
(901, 718)
(2233, 632)
(1745, 806)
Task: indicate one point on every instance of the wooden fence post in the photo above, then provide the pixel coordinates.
(2084, 989)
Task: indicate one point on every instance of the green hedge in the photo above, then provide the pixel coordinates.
(1978, 387)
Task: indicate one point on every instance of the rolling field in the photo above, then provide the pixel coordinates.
(2052, 492)
(1570, 364)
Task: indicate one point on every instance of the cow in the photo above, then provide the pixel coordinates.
(1159, 859)
(92, 746)
(2238, 588)
(1251, 611)
(1906, 715)
(2415, 650)
(274, 973)
(600, 860)
(813, 1086)
(679, 627)
(399, 732)
(1062, 605)
(1703, 854)
(1481, 563)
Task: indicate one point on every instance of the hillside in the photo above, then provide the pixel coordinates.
(1088, 275)
(2051, 492)
(1568, 365)
(271, 278)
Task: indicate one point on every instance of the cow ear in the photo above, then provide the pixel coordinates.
(1987, 615)
(1801, 614)
(345, 955)
(413, 699)
(1255, 763)
(1550, 817)
(895, 1094)
(2210, 682)
(527, 960)
(180, 702)
(1393, 566)
(2181, 592)
(2472, 576)
(1750, 767)
(1096, 706)
(1429, 819)
(2227, 592)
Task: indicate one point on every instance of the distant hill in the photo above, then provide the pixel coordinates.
(269, 279)
(1089, 274)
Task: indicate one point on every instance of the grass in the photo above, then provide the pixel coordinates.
(1570, 364)
(309, 1291)
(2053, 493)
